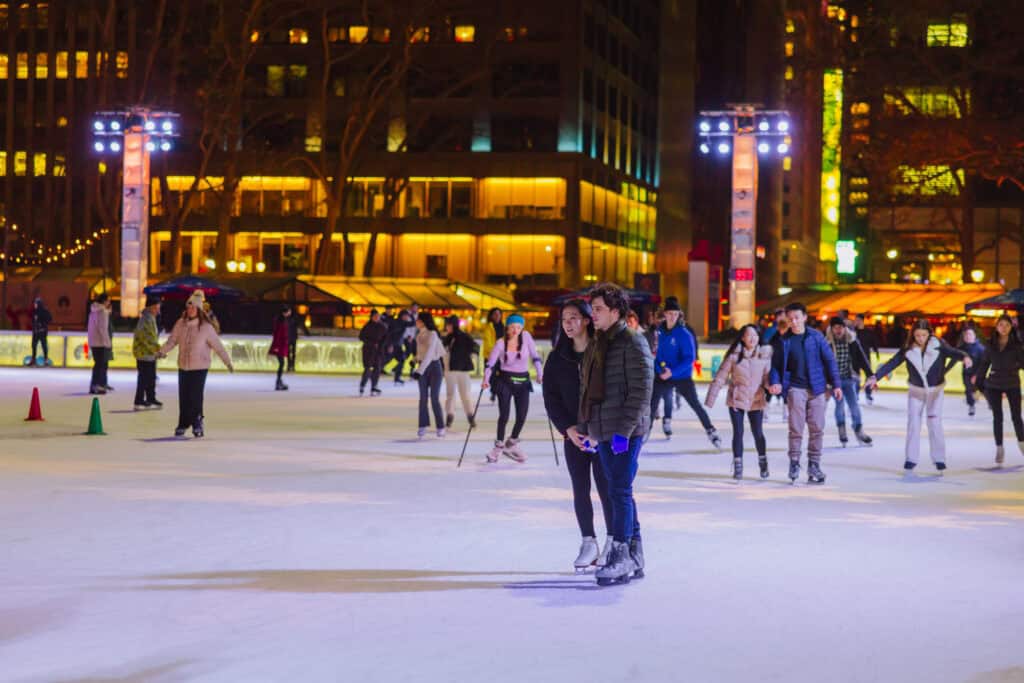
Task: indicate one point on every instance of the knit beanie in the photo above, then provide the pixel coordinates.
(515, 318)
(197, 299)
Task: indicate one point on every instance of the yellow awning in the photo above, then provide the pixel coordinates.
(887, 299)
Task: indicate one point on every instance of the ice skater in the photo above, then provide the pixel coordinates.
(803, 367)
(617, 378)
(195, 337)
(100, 343)
(998, 375)
(852, 359)
(746, 369)
(459, 351)
(925, 356)
(279, 344)
(511, 381)
(41, 319)
(374, 337)
(561, 389)
(429, 373)
(970, 345)
(677, 351)
(395, 350)
(145, 347)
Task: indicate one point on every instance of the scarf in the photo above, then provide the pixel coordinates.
(593, 369)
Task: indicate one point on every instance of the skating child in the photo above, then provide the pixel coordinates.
(515, 351)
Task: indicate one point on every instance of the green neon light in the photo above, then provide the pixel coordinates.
(831, 158)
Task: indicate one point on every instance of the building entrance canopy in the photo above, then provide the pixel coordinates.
(885, 299)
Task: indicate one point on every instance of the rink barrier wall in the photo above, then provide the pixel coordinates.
(314, 355)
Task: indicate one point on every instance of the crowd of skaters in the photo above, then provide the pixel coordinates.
(612, 375)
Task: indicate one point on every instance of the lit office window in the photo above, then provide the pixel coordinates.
(358, 34)
(952, 34)
(465, 34)
(298, 36)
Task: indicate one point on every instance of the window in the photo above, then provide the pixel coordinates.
(81, 64)
(789, 48)
(254, 37)
(298, 36)
(935, 101)
(465, 33)
(121, 64)
(789, 73)
(338, 34)
(420, 35)
(296, 84)
(437, 265)
(358, 34)
(952, 34)
(380, 34)
(3, 66)
(275, 81)
(928, 180)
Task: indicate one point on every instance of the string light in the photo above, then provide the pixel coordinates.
(35, 253)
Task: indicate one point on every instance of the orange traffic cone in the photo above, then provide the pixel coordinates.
(35, 413)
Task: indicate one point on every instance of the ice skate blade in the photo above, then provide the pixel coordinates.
(639, 574)
(612, 582)
(585, 570)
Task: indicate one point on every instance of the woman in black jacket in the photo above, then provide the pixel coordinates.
(459, 350)
(999, 374)
(561, 388)
(926, 357)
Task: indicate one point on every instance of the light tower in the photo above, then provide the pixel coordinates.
(748, 133)
(134, 133)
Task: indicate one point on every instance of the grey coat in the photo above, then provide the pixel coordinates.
(629, 381)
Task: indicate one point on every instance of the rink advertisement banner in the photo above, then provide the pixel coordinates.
(326, 355)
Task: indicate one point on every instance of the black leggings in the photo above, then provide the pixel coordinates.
(430, 389)
(579, 465)
(995, 402)
(280, 367)
(509, 390)
(371, 373)
(191, 384)
(756, 419)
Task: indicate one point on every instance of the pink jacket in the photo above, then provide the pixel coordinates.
(98, 330)
(194, 342)
(747, 379)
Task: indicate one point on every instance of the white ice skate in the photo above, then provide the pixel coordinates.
(495, 453)
(514, 451)
(602, 559)
(588, 555)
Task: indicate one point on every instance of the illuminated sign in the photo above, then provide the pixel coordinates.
(846, 257)
(831, 157)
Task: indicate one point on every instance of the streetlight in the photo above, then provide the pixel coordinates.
(754, 132)
(134, 132)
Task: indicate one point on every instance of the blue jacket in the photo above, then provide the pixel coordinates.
(822, 369)
(677, 350)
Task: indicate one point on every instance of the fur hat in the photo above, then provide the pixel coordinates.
(197, 299)
(672, 304)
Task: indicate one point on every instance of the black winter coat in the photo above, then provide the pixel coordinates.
(1002, 366)
(628, 384)
(461, 349)
(926, 368)
(374, 336)
(41, 320)
(561, 385)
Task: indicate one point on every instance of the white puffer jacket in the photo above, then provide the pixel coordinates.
(194, 341)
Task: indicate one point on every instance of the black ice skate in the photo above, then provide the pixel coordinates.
(737, 468)
(715, 439)
(762, 463)
(843, 438)
(814, 473)
(197, 428)
(794, 471)
(620, 566)
(636, 553)
(666, 427)
(863, 438)
(375, 392)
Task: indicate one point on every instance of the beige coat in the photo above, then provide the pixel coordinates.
(98, 331)
(746, 379)
(194, 342)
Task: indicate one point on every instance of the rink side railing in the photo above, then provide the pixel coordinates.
(314, 355)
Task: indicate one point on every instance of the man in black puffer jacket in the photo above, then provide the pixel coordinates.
(615, 405)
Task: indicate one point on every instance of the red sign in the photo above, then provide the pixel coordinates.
(742, 275)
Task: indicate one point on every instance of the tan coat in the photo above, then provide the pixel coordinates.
(194, 342)
(746, 379)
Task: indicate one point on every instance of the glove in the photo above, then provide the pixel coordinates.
(620, 444)
(415, 375)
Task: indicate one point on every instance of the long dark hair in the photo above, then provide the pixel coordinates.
(499, 327)
(921, 324)
(1011, 338)
(738, 341)
(584, 309)
(428, 320)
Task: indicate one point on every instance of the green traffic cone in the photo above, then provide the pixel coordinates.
(95, 420)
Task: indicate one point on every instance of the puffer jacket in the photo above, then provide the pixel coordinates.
(1000, 367)
(628, 384)
(747, 379)
(194, 342)
(925, 367)
(146, 342)
(99, 326)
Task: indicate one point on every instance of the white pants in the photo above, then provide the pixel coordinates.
(928, 401)
(460, 379)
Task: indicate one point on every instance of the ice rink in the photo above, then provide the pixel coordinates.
(311, 537)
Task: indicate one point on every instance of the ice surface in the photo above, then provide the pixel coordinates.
(311, 537)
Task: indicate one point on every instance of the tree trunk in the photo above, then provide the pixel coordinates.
(348, 256)
(324, 253)
(227, 200)
(371, 253)
(967, 247)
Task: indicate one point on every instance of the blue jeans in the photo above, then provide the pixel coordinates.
(620, 470)
(849, 386)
